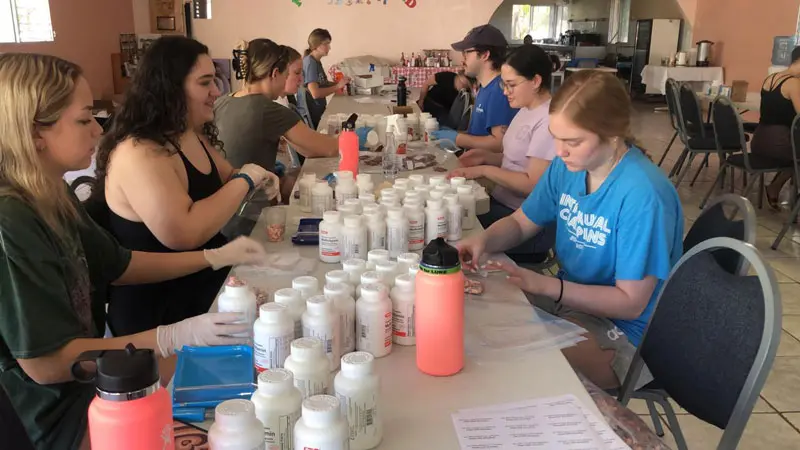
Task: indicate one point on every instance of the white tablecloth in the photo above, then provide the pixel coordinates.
(655, 77)
(417, 408)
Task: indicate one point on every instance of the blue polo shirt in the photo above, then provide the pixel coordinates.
(628, 229)
(491, 109)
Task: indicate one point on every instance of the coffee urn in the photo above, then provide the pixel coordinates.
(704, 53)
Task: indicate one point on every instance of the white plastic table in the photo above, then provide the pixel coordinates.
(416, 408)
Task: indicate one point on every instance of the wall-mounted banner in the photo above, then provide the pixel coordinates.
(409, 3)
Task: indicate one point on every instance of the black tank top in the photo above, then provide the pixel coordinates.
(137, 308)
(775, 108)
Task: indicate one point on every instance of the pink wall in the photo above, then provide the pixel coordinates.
(380, 30)
(689, 8)
(742, 31)
(87, 33)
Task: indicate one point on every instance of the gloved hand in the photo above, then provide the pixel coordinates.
(241, 250)
(272, 186)
(362, 137)
(256, 173)
(445, 134)
(202, 331)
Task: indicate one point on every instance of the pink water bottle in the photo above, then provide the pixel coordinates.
(131, 410)
(439, 310)
(348, 146)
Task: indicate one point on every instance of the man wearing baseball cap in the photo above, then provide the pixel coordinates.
(484, 50)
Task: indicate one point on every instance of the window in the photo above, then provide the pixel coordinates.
(619, 24)
(538, 21)
(25, 21)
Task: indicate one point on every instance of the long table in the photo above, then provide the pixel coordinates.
(416, 408)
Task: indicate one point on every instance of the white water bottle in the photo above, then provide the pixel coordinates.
(321, 321)
(277, 403)
(273, 334)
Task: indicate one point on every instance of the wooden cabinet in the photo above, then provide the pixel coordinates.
(167, 17)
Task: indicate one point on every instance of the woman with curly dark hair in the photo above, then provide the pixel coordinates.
(167, 186)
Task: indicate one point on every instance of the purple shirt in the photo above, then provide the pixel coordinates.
(528, 136)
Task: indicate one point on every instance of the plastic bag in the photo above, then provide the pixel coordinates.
(279, 270)
(502, 328)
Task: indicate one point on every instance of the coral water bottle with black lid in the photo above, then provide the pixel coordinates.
(131, 410)
(439, 310)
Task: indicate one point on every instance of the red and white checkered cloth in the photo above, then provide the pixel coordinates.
(415, 76)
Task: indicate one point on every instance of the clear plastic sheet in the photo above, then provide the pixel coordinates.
(499, 326)
(279, 270)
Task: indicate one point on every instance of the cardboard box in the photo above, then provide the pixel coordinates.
(739, 90)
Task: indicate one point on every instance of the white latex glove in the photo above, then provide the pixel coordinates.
(241, 250)
(201, 331)
(272, 186)
(256, 173)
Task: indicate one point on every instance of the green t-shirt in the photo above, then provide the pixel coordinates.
(51, 292)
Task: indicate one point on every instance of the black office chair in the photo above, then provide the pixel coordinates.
(711, 341)
(796, 166)
(12, 432)
(731, 145)
(697, 136)
(672, 107)
(737, 222)
(459, 116)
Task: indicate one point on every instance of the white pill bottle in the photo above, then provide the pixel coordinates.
(273, 334)
(239, 298)
(402, 295)
(277, 402)
(322, 425)
(236, 427)
(310, 367)
(321, 320)
(374, 320)
(358, 389)
(330, 233)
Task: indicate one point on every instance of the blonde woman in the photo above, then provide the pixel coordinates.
(56, 264)
(619, 227)
(314, 78)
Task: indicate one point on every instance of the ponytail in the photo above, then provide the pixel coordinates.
(317, 37)
(241, 62)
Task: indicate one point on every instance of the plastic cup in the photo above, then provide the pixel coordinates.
(276, 224)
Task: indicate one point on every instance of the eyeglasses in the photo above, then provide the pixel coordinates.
(465, 52)
(510, 87)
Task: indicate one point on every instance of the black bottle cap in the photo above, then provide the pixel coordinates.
(440, 258)
(119, 371)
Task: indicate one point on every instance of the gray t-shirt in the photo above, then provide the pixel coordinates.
(251, 128)
(313, 72)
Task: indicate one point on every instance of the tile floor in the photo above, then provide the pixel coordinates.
(775, 423)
